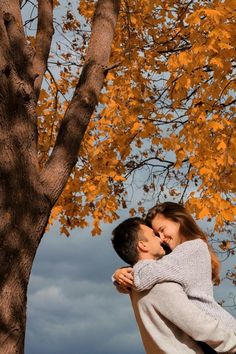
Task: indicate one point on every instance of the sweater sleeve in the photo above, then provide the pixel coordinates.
(147, 273)
(171, 268)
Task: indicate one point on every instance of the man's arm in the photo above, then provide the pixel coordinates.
(172, 302)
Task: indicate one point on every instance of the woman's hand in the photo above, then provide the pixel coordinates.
(124, 277)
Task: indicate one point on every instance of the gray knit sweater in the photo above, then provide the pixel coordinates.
(189, 264)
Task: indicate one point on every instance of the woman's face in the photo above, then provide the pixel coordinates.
(168, 231)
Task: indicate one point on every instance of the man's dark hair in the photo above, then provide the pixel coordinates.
(125, 239)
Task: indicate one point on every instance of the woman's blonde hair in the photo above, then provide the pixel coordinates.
(188, 228)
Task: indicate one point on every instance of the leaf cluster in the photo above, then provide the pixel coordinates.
(166, 113)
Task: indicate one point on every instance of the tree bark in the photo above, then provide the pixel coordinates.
(17, 253)
(84, 101)
(27, 194)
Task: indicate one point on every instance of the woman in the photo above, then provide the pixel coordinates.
(192, 263)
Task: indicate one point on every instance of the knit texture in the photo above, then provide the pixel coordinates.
(189, 264)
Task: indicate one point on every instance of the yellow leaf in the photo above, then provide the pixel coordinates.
(217, 61)
(221, 146)
(216, 126)
(55, 212)
(203, 213)
(132, 211)
(119, 178)
(225, 245)
(135, 127)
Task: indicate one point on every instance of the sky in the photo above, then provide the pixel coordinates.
(72, 305)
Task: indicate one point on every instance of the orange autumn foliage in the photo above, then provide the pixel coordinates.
(168, 107)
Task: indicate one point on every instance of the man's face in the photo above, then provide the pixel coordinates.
(151, 242)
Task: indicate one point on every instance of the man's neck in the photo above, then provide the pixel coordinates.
(144, 256)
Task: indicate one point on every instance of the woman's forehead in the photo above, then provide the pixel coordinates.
(159, 218)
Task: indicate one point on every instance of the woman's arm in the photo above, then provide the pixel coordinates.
(175, 267)
(147, 273)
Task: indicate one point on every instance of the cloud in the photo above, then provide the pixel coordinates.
(72, 305)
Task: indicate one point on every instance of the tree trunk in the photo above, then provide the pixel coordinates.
(27, 194)
(24, 214)
(24, 208)
(17, 257)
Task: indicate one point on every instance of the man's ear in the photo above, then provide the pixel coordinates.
(142, 246)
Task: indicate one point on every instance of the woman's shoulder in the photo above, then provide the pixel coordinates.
(184, 254)
(192, 245)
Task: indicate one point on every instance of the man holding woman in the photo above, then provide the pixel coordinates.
(180, 310)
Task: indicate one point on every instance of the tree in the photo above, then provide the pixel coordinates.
(28, 190)
(167, 110)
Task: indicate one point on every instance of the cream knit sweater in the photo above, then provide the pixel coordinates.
(189, 264)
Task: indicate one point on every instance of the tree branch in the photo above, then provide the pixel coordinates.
(16, 54)
(133, 165)
(78, 114)
(19, 51)
(43, 41)
(186, 186)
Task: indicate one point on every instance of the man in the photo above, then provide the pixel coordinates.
(168, 321)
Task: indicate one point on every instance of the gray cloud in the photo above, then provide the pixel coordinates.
(72, 305)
